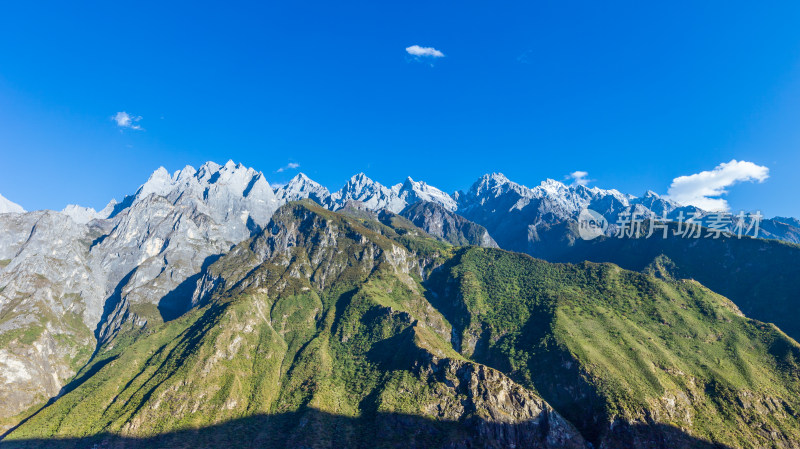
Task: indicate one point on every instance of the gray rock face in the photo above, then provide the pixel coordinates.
(537, 220)
(71, 280)
(541, 221)
(80, 214)
(293, 229)
(302, 187)
(455, 229)
(49, 299)
(9, 207)
(173, 226)
(415, 191)
(67, 284)
(371, 194)
(501, 413)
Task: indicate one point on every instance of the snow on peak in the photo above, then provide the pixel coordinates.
(207, 170)
(230, 193)
(301, 178)
(81, 215)
(413, 191)
(551, 187)
(372, 194)
(654, 202)
(9, 207)
(160, 183)
(493, 186)
(231, 177)
(360, 188)
(652, 194)
(491, 181)
(184, 174)
(359, 182)
(498, 178)
(300, 187)
(357, 185)
(303, 181)
(108, 210)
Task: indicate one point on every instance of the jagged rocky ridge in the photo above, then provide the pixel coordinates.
(535, 220)
(331, 310)
(6, 206)
(330, 330)
(72, 280)
(436, 220)
(66, 285)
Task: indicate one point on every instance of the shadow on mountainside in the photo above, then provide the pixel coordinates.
(315, 429)
(758, 275)
(109, 306)
(71, 385)
(179, 300)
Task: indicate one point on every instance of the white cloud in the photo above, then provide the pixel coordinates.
(125, 120)
(702, 189)
(289, 166)
(420, 52)
(579, 177)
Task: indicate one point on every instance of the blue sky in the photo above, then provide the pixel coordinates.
(634, 94)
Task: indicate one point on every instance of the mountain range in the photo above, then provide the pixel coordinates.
(397, 307)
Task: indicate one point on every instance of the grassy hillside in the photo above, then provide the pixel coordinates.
(612, 349)
(759, 275)
(332, 330)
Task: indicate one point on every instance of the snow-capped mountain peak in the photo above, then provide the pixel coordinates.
(359, 182)
(552, 188)
(413, 191)
(492, 186)
(302, 178)
(80, 214)
(372, 194)
(302, 182)
(652, 194)
(301, 186)
(108, 210)
(492, 181)
(7, 206)
(160, 182)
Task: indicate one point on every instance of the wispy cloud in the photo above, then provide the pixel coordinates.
(525, 57)
(703, 189)
(424, 52)
(289, 166)
(580, 178)
(125, 120)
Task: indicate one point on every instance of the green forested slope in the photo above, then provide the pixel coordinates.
(616, 351)
(759, 275)
(330, 330)
(327, 343)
